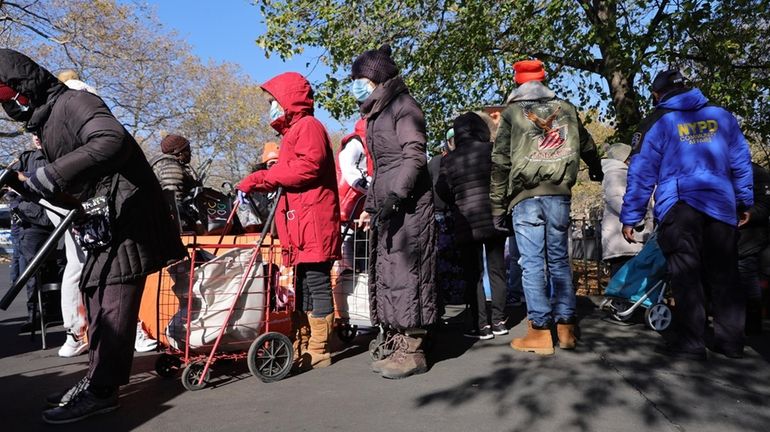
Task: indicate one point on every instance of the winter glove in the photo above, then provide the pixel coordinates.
(389, 207)
(241, 196)
(503, 223)
(595, 173)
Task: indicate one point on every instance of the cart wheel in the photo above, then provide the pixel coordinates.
(270, 357)
(347, 332)
(658, 317)
(167, 365)
(192, 374)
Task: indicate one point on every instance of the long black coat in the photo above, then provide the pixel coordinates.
(89, 150)
(403, 262)
(464, 180)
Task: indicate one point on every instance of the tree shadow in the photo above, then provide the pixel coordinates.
(615, 378)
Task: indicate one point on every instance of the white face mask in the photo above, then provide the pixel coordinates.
(275, 111)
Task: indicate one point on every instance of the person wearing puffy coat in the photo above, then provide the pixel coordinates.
(615, 249)
(307, 217)
(400, 205)
(91, 154)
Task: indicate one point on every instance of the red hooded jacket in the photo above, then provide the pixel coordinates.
(307, 218)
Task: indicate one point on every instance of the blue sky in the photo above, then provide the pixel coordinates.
(226, 30)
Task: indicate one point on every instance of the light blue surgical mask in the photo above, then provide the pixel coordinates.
(361, 88)
(275, 111)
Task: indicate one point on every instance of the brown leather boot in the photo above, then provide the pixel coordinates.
(317, 354)
(408, 359)
(566, 334)
(537, 340)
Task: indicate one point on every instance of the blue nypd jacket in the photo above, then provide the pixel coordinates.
(693, 152)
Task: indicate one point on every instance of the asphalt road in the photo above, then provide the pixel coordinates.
(612, 382)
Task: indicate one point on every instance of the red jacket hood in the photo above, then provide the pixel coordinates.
(293, 92)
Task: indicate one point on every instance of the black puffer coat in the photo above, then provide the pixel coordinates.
(464, 180)
(91, 154)
(403, 261)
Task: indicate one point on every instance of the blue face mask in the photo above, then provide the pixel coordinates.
(361, 89)
(275, 111)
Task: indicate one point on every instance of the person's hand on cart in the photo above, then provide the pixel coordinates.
(364, 221)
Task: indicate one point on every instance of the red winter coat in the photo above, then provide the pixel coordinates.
(307, 218)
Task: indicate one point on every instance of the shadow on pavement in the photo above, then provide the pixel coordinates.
(732, 394)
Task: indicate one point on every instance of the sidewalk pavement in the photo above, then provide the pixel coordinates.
(612, 382)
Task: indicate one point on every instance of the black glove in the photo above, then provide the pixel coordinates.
(595, 173)
(389, 207)
(503, 223)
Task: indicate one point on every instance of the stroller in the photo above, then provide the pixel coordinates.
(641, 282)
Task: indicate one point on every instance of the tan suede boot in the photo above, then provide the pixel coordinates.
(538, 341)
(566, 334)
(317, 354)
(300, 333)
(408, 359)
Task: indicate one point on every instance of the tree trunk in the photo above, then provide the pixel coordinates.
(624, 99)
(617, 68)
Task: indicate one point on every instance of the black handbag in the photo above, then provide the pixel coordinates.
(94, 231)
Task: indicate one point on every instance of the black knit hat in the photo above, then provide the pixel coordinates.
(377, 65)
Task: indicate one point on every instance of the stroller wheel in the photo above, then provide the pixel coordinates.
(191, 376)
(270, 357)
(658, 317)
(167, 365)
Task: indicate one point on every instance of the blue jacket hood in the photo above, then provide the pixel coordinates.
(690, 100)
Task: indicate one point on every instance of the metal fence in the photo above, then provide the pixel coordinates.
(590, 274)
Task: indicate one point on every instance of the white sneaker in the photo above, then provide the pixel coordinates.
(73, 346)
(143, 342)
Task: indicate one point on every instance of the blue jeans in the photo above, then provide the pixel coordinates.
(515, 290)
(541, 225)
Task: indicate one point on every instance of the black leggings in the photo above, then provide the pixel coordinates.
(314, 288)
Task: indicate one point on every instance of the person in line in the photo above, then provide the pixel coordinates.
(399, 206)
(535, 162)
(693, 154)
(464, 185)
(34, 229)
(175, 175)
(90, 154)
(307, 219)
(616, 251)
(353, 179)
(753, 237)
(449, 271)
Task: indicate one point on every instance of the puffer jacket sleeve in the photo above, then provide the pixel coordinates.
(410, 131)
(643, 175)
(310, 149)
(170, 174)
(740, 164)
(501, 166)
(102, 151)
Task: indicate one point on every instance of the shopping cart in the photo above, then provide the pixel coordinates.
(350, 286)
(642, 282)
(227, 302)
